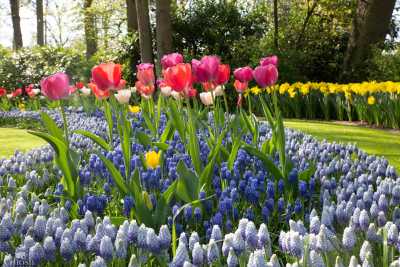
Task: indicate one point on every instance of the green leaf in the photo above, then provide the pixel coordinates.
(247, 121)
(52, 127)
(116, 175)
(161, 212)
(194, 148)
(234, 151)
(267, 112)
(143, 138)
(162, 146)
(267, 161)
(306, 174)
(63, 161)
(142, 213)
(177, 120)
(95, 138)
(109, 119)
(188, 183)
(117, 220)
(149, 123)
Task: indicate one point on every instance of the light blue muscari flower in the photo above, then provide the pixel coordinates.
(181, 255)
(152, 241)
(251, 235)
(164, 237)
(36, 254)
(98, 262)
(238, 242)
(49, 248)
(316, 259)
(193, 239)
(349, 238)
(212, 251)
(66, 249)
(365, 249)
(232, 260)
(106, 248)
(197, 254)
(121, 248)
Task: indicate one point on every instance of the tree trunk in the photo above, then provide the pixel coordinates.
(16, 21)
(163, 28)
(276, 25)
(90, 29)
(131, 15)
(370, 25)
(39, 22)
(145, 41)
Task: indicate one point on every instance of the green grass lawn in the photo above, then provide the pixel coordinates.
(373, 141)
(13, 139)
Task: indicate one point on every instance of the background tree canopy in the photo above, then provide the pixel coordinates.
(316, 40)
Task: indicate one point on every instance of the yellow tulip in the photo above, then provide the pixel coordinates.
(134, 109)
(152, 159)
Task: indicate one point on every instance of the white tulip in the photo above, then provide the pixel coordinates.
(123, 96)
(9, 96)
(219, 90)
(36, 91)
(133, 90)
(85, 91)
(166, 90)
(176, 95)
(207, 98)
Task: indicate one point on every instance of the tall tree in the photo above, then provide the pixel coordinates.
(131, 15)
(163, 27)
(145, 41)
(276, 25)
(90, 29)
(16, 21)
(39, 22)
(370, 25)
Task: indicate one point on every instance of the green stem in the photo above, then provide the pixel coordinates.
(225, 102)
(65, 125)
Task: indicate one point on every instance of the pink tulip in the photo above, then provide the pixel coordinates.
(146, 79)
(244, 74)
(266, 75)
(171, 60)
(56, 86)
(269, 60)
(206, 70)
(240, 87)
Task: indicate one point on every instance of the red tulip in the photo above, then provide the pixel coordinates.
(107, 76)
(244, 74)
(100, 94)
(240, 86)
(223, 74)
(79, 85)
(179, 77)
(56, 86)
(171, 60)
(17, 92)
(206, 70)
(266, 75)
(3, 91)
(269, 60)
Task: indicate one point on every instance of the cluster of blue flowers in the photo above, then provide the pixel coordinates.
(346, 214)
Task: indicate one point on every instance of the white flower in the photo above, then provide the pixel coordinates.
(123, 96)
(35, 91)
(85, 91)
(133, 89)
(219, 90)
(166, 90)
(207, 98)
(9, 96)
(176, 95)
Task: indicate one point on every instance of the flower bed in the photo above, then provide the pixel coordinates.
(172, 182)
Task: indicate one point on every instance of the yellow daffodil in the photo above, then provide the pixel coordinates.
(152, 159)
(371, 100)
(255, 90)
(21, 107)
(134, 109)
(246, 93)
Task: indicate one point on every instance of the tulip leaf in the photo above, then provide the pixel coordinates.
(63, 161)
(149, 123)
(142, 213)
(95, 138)
(162, 146)
(235, 148)
(168, 132)
(193, 147)
(117, 220)
(307, 173)
(177, 120)
(267, 161)
(143, 138)
(115, 174)
(161, 211)
(52, 127)
(188, 183)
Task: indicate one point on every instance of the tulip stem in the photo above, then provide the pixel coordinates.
(65, 125)
(226, 103)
